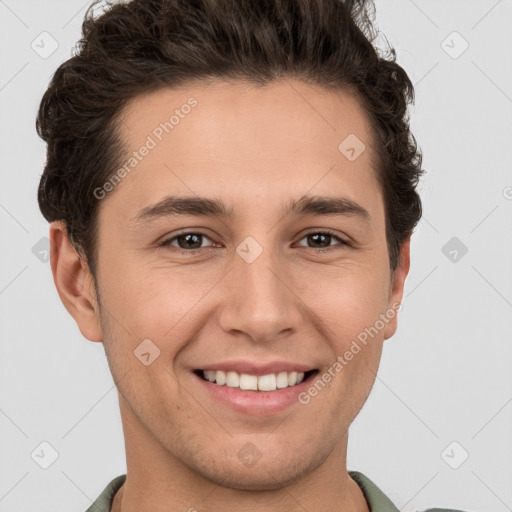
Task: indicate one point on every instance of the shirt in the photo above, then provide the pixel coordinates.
(376, 499)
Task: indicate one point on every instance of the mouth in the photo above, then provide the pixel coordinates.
(254, 387)
(270, 382)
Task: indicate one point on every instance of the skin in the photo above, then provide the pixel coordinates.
(255, 148)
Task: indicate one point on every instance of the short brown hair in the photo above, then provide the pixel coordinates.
(139, 46)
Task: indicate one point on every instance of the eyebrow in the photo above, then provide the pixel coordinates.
(214, 207)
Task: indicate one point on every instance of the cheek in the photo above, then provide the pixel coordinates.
(348, 299)
(151, 301)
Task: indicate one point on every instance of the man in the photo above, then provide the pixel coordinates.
(231, 191)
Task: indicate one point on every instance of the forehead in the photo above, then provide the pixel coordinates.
(219, 137)
(237, 109)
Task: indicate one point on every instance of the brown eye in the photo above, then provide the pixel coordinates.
(323, 239)
(187, 241)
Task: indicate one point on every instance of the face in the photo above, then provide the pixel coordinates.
(256, 288)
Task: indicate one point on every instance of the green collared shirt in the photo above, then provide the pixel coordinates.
(377, 500)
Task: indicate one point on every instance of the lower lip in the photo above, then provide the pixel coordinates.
(255, 403)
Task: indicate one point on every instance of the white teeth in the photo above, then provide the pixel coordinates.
(210, 375)
(248, 382)
(232, 379)
(269, 382)
(282, 380)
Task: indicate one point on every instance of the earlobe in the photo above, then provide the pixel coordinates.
(74, 283)
(396, 289)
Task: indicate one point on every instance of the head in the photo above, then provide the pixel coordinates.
(250, 106)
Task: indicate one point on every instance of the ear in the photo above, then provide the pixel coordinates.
(396, 288)
(74, 283)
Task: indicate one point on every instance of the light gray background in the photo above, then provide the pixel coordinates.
(445, 376)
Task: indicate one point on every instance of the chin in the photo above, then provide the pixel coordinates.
(276, 468)
(263, 478)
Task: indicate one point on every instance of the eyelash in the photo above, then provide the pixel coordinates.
(167, 243)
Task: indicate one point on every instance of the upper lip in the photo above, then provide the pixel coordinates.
(253, 368)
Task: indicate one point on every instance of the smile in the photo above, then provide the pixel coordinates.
(251, 387)
(245, 381)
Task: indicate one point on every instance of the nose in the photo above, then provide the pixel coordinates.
(259, 299)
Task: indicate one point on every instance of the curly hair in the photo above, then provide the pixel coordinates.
(139, 46)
